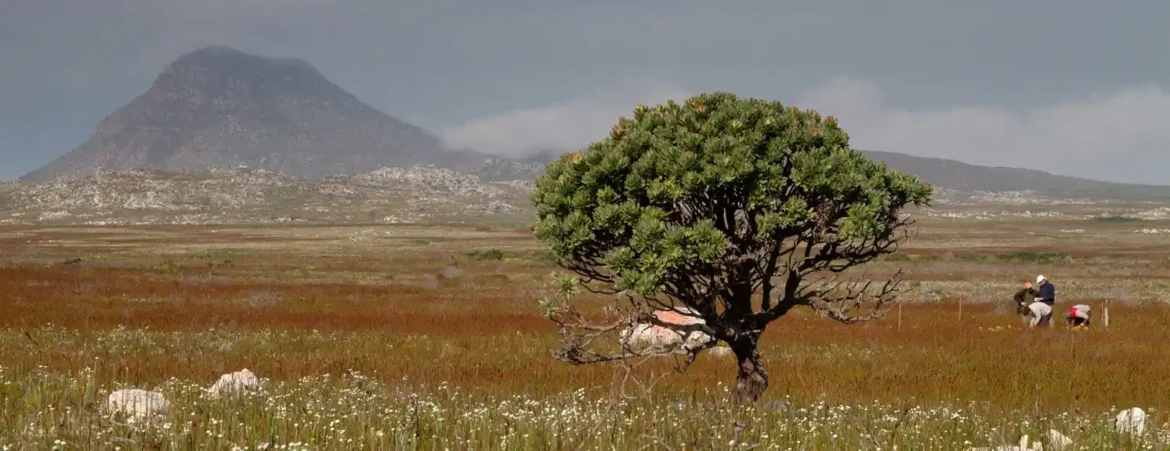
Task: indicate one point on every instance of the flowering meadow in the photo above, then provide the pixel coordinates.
(45, 410)
(420, 338)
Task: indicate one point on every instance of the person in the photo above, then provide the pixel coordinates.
(1033, 313)
(1039, 314)
(1023, 298)
(1045, 294)
(1078, 316)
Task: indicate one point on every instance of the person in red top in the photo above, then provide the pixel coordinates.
(1078, 317)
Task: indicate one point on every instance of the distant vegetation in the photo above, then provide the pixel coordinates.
(1014, 257)
(1116, 219)
(1034, 257)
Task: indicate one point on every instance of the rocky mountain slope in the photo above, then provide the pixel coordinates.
(218, 106)
(417, 195)
(234, 195)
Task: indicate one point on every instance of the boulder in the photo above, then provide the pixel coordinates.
(137, 405)
(643, 337)
(1058, 441)
(235, 383)
(1132, 421)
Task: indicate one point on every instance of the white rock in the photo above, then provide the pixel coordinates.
(652, 338)
(1132, 421)
(1022, 446)
(235, 383)
(721, 351)
(1057, 440)
(137, 405)
(643, 337)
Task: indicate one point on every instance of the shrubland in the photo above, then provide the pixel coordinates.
(398, 337)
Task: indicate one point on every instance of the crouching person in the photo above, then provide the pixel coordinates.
(1040, 314)
(1078, 317)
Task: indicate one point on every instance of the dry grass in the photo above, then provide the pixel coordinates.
(410, 307)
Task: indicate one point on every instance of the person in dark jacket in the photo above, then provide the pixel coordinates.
(1024, 297)
(1045, 293)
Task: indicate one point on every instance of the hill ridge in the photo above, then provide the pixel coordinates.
(967, 177)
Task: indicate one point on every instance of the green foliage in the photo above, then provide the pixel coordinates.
(683, 191)
(563, 288)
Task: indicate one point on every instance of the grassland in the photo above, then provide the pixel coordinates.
(406, 337)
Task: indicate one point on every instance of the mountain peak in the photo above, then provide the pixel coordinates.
(220, 67)
(224, 56)
(218, 106)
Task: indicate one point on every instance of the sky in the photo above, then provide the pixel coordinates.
(1074, 87)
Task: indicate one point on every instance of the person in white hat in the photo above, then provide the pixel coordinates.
(1045, 294)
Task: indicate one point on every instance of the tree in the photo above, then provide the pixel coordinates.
(713, 204)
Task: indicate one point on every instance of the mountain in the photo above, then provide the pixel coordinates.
(969, 178)
(219, 106)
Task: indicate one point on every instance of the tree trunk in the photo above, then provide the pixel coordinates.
(751, 380)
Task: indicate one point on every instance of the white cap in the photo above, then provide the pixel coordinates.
(1039, 278)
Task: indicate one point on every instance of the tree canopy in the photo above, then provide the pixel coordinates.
(717, 200)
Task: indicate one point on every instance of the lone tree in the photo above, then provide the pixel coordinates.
(739, 209)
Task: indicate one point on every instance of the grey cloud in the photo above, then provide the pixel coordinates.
(564, 126)
(457, 62)
(1097, 135)
(1118, 134)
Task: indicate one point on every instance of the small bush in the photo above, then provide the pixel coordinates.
(169, 265)
(487, 254)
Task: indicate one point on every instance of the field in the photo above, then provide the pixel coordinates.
(411, 337)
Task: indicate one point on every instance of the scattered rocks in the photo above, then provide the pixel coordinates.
(240, 195)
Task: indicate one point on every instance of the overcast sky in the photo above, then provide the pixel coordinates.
(1077, 87)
